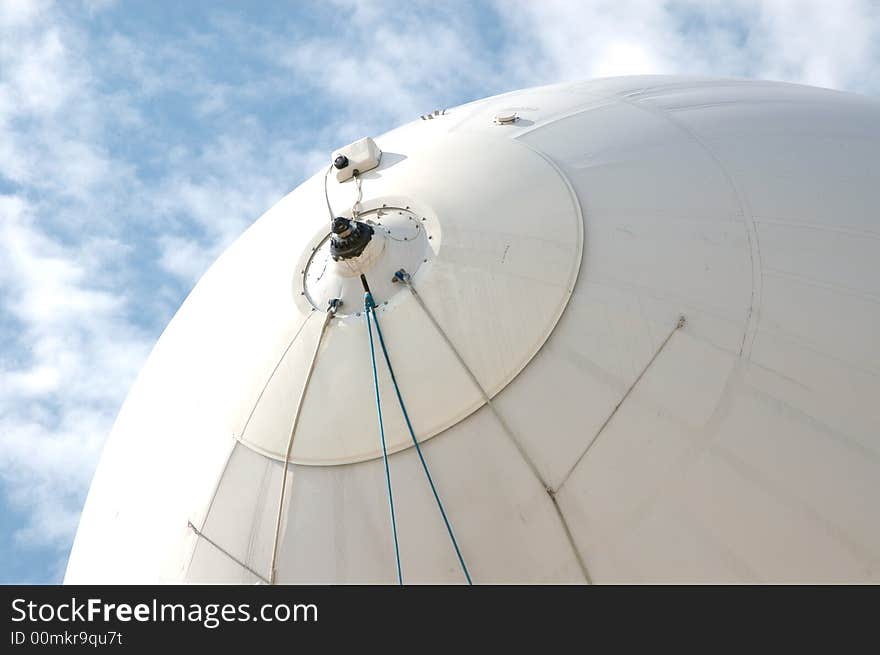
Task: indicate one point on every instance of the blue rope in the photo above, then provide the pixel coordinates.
(416, 444)
(368, 307)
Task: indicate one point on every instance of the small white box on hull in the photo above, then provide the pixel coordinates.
(358, 157)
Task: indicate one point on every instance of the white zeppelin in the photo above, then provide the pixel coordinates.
(624, 330)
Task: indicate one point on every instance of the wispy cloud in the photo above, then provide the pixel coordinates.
(72, 353)
(138, 140)
(71, 345)
(805, 41)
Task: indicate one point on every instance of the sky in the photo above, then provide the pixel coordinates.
(138, 139)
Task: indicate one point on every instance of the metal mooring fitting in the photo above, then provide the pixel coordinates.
(349, 238)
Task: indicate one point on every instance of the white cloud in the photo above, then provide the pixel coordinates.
(77, 354)
(73, 350)
(15, 13)
(819, 43)
(805, 41)
(385, 63)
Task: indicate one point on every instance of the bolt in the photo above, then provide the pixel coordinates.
(340, 225)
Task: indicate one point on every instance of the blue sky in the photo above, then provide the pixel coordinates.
(138, 139)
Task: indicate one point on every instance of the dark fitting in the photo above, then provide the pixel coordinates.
(349, 238)
(341, 226)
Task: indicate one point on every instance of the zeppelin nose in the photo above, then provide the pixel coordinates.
(349, 238)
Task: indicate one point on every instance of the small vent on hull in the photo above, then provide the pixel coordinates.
(436, 113)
